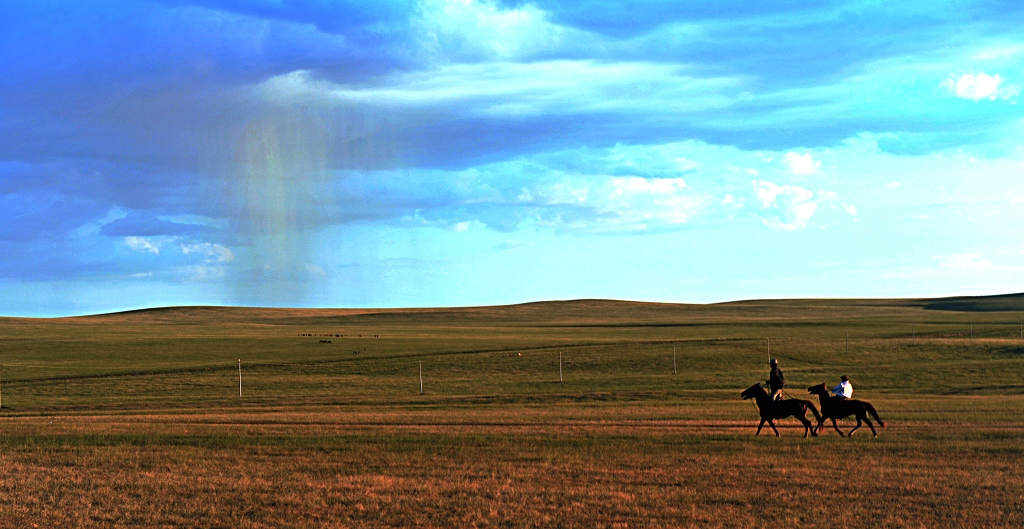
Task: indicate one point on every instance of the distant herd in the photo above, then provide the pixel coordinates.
(332, 335)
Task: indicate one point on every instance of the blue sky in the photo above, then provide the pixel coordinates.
(472, 152)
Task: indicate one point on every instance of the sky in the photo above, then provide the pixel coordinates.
(409, 153)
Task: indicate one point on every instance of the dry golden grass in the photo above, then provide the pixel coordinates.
(497, 468)
(133, 420)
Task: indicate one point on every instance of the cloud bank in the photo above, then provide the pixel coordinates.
(244, 152)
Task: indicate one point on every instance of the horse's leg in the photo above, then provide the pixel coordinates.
(836, 426)
(803, 420)
(808, 424)
(776, 430)
(801, 415)
(871, 410)
(759, 426)
(859, 424)
(868, 421)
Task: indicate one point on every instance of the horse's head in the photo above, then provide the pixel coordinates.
(751, 392)
(817, 390)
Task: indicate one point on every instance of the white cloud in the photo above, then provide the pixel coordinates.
(892, 185)
(610, 203)
(204, 273)
(998, 52)
(686, 165)
(981, 86)
(558, 193)
(787, 207)
(142, 244)
(461, 227)
(562, 87)
(964, 262)
(630, 187)
(315, 270)
(480, 29)
(636, 200)
(633, 185)
(214, 253)
(801, 164)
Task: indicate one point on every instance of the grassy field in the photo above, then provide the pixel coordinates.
(134, 419)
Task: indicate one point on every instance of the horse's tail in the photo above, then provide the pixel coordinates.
(871, 410)
(817, 416)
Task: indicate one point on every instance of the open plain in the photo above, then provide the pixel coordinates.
(135, 420)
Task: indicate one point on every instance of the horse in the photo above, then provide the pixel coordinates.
(837, 408)
(780, 409)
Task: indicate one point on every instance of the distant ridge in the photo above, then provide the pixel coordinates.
(998, 303)
(567, 310)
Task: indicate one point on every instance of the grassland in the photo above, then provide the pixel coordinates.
(134, 419)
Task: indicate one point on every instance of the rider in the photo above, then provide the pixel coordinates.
(844, 390)
(775, 380)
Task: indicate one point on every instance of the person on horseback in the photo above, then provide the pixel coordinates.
(776, 381)
(844, 390)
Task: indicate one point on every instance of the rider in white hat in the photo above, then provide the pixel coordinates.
(844, 390)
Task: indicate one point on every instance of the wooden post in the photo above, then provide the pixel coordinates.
(421, 377)
(239, 377)
(673, 360)
(559, 366)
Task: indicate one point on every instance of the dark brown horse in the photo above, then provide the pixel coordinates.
(837, 408)
(781, 409)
